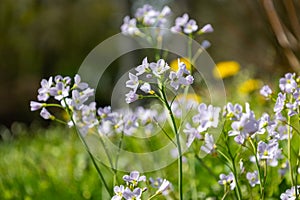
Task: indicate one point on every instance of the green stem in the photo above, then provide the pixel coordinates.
(190, 42)
(225, 194)
(107, 153)
(232, 161)
(289, 152)
(92, 158)
(117, 157)
(53, 105)
(262, 182)
(165, 101)
(89, 152)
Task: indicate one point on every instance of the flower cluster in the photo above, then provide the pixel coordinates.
(156, 72)
(146, 16)
(289, 96)
(132, 190)
(128, 121)
(290, 194)
(205, 118)
(188, 26)
(67, 93)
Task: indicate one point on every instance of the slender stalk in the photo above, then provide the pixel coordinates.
(107, 153)
(92, 158)
(232, 161)
(289, 152)
(190, 42)
(117, 157)
(262, 182)
(298, 166)
(225, 193)
(88, 151)
(165, 101)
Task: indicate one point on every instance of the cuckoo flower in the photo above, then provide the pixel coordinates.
(253, 178)
(227, 180)
(134, 178)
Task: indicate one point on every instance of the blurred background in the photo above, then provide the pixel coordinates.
(40, 38)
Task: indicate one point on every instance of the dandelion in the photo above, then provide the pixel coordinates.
(226, 69)
(249, 86)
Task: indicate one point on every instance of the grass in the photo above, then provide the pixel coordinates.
(46, 164)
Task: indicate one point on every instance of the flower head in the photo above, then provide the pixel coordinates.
(227, 180)
(118, 190)
(184, 25)
(288, 84)
(159, 67)
(266, 91)
(226, 69)
(290, 194)
(44, 91)
(134, 178)
(249, 86)
(253, 178)
(209, 144)
(129, 27)
(269, 151)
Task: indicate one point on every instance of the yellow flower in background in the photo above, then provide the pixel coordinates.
(226, 69)
(174, 64)
(249, 86)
